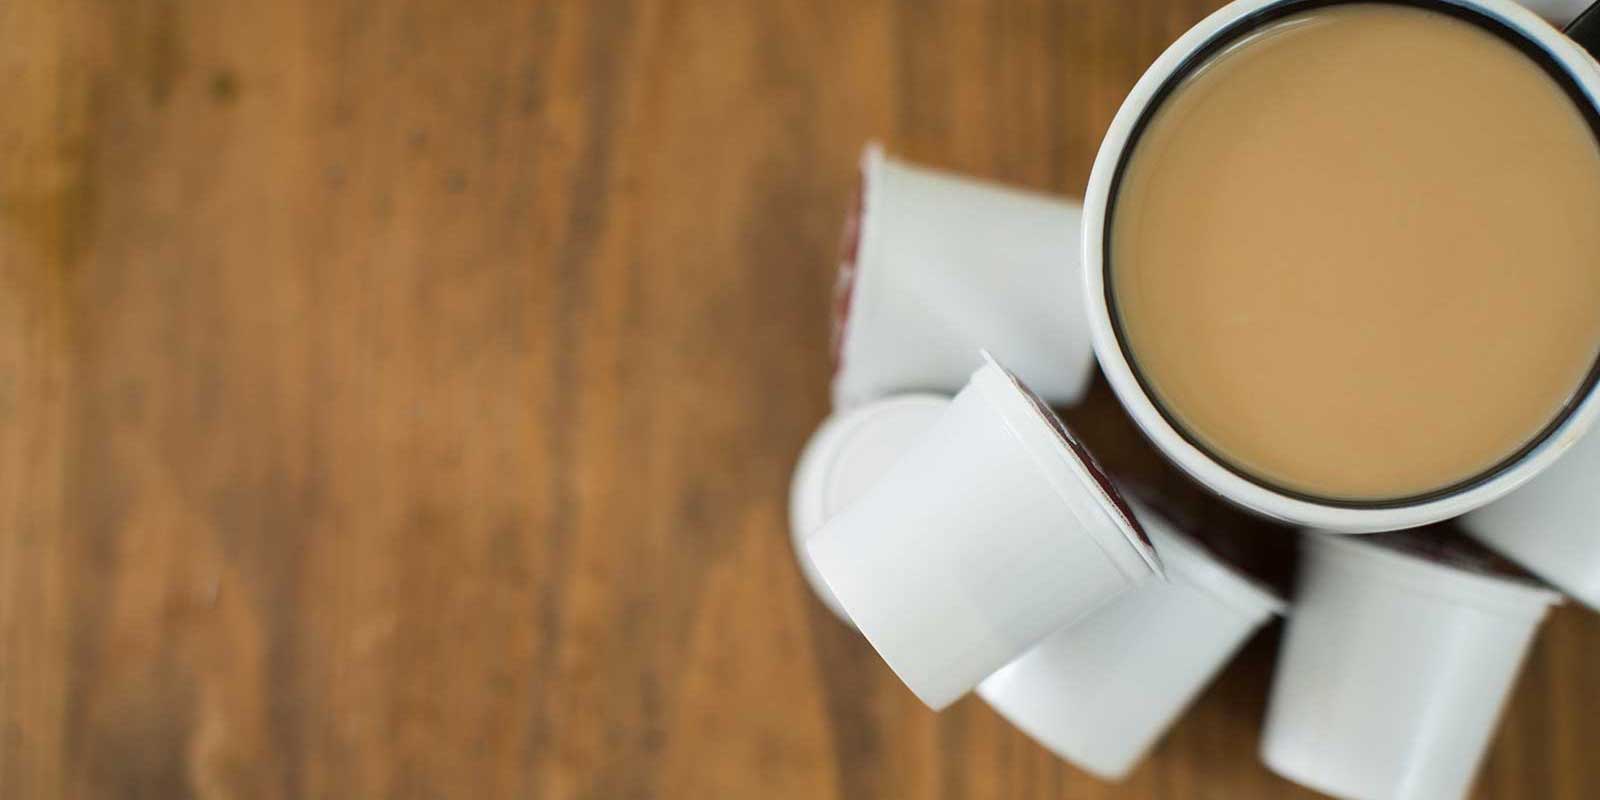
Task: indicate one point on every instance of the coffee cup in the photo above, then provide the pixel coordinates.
(992, 531)
(1394, 667)
(938, 266)
(1561, 57)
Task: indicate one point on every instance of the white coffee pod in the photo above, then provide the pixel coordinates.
(1101, 692)
(1551, 525)
(994, 530)
(1559, 12)
(1394, 667)
(937, 266)
(848, 453)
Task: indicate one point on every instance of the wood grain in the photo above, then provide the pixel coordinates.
(398, 400)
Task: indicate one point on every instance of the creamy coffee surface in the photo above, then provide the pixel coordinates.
(1357, 254)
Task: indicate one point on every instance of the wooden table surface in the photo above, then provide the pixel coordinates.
(399, 399)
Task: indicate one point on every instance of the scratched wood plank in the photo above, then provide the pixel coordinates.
(398, 400)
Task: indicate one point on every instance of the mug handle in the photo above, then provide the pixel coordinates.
(1585, 30)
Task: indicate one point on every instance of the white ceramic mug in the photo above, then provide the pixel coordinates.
(1196, 47)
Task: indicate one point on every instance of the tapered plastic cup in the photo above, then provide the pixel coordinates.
(1101, 692)
(847, 454)
(1394, 667)
(1559, 12)
(1551, 525)
(937, 266)
(994, 530)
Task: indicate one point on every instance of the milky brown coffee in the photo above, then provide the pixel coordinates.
(1357, 253)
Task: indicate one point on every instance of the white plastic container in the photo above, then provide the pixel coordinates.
(1559, 12)
(994, 530)
(1394, 669)
(938, 266)
(847, 454)
(1552, 525)
(1101, 692)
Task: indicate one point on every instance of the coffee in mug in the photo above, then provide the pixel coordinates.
(1354, 255)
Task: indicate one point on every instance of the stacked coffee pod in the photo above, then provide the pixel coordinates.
(947, 513)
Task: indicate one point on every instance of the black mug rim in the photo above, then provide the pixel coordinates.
(1221, 40)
